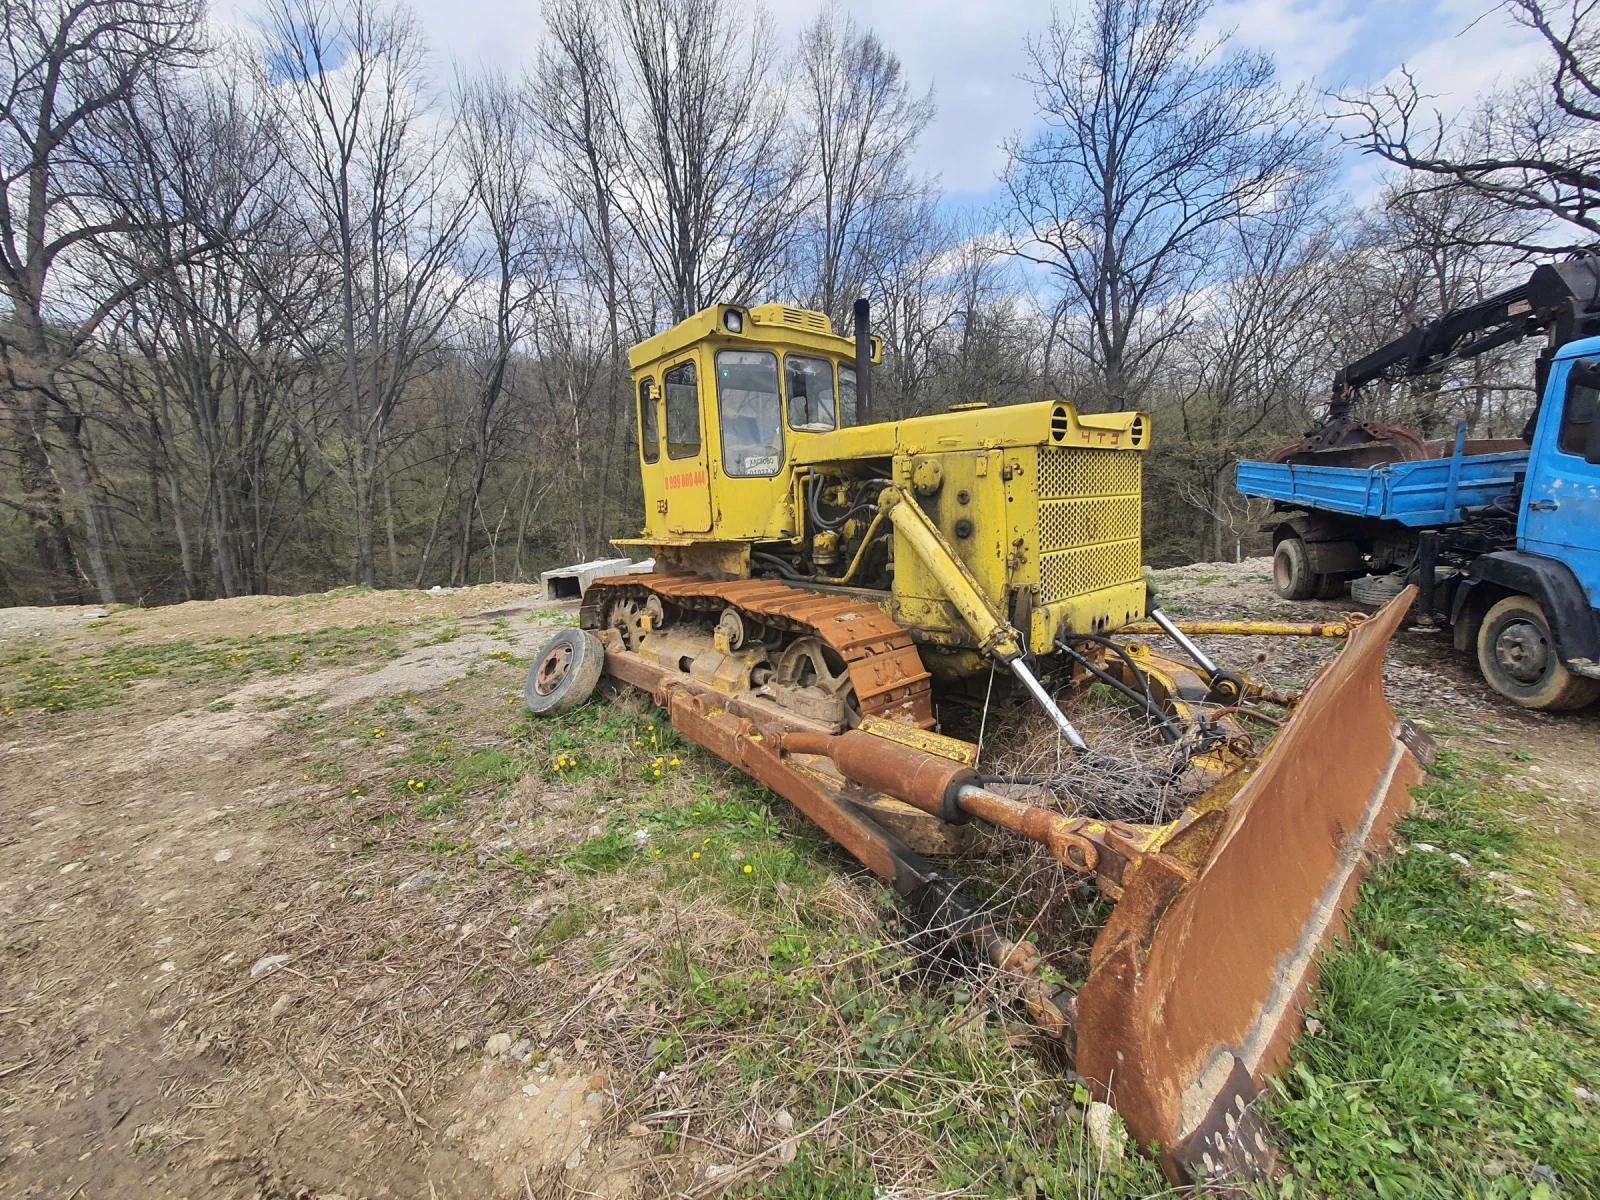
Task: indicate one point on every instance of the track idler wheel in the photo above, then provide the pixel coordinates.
(565, 672)
(813, 680)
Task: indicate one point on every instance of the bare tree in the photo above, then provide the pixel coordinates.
(577, 106)
(862, 119)
(710, 193)
(1154, 141)
(1533, 149)
(377, 196)
(73, 70)
(1242, 372)
(510, 229)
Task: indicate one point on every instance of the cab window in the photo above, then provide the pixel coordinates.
(649, 435)
(847, 395)
(808, 382)
(747, 395)
(683, 412)
(1577, 418)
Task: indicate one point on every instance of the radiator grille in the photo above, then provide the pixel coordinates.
(1073, 474)
(1089, 521)
(1067, 523)
(1068, 573)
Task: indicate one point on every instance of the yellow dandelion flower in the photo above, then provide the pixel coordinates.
(748, 868)
(675, 763)
(695, 855)
(707, 842)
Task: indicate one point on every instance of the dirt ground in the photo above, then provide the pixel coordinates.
(237, 962)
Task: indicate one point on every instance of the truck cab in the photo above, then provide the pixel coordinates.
(1559, 516)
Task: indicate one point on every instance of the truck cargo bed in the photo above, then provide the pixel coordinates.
(1430, 492)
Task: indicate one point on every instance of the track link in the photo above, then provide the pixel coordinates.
(885, 669)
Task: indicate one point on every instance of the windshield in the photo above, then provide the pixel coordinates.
(847, 395)
(747, 392)
(809, 383)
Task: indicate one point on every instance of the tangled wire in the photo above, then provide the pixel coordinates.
(1129, 773)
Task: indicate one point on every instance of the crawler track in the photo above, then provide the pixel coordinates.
(885, 669)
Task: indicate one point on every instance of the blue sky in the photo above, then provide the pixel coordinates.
(972, 53)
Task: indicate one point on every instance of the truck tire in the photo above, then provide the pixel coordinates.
(1518, 656)
(1292, 575)
(1374, 591)
(1331, 587)
(564, 672)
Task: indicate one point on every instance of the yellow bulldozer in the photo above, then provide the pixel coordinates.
(823, 579)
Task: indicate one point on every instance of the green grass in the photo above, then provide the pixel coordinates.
(55, 681)
(1451, 1038)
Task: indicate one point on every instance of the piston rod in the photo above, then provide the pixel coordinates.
(1172, 631)
(1047, 702)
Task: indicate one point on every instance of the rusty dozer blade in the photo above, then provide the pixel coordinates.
(1198, 981)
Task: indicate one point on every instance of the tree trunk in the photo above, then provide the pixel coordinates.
(45, 504)
(181, 528)
(388, 526)
(76, 458)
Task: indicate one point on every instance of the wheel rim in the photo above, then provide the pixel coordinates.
(1280, 570)
(1522, 651)
(553, 669)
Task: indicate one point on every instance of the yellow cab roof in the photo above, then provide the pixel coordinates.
(764, 325)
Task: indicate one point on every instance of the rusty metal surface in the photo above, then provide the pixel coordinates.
(1206, 962)
(885, 669)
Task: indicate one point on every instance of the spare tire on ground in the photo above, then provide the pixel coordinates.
(564, 672)
(1374, 591)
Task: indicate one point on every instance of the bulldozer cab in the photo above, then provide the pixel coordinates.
(723, 399)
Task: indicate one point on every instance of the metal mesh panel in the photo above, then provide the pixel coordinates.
(1067, 523)
(1073, 473)
(1089, 521)
(1069, 573)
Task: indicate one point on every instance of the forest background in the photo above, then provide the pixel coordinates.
(280, 311)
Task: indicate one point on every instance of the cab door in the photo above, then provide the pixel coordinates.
(686, 483)
(1561, 496)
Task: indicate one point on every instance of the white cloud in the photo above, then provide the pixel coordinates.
(973, 54)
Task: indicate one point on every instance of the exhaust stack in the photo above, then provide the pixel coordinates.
(863, 314)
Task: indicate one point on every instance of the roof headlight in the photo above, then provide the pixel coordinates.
(733, 320)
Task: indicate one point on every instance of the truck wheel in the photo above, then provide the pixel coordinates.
(1517, 655)
(565, 672)
(1331, 587)
(1292, 575)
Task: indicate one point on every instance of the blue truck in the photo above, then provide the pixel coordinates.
(1502, 538)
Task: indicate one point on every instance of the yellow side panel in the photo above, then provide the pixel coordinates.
(969, 510)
